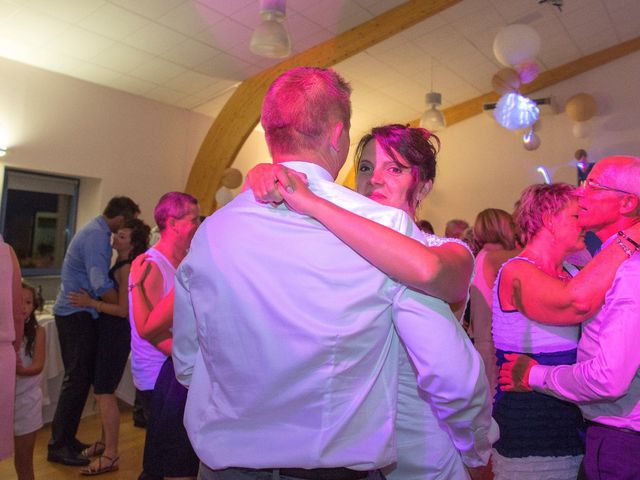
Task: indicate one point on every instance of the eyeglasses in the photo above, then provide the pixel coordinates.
(590, 184)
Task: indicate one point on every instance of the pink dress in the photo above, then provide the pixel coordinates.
(7, 353)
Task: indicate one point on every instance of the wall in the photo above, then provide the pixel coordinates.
(117, 143)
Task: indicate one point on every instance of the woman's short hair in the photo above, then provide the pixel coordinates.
(140, 233)
(538, 201)
(494, 225)
(299, 106)
(172, 205)
(417, 146)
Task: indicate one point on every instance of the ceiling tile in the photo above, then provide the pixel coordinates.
(152, 9)
(132, 85)
(54, 61)
(113, 22)
(225, 67)
(190, 82)
(227, 7)
(190, 53)
(71, 11)
(154, 38)
(165, 95)
(33, 28)
(190, 18)
(7, 9)
(157, 70)
(121, 58)
(226, 34)
(80, 43)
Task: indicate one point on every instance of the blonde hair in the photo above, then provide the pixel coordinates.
(494, 225)
(539, 200)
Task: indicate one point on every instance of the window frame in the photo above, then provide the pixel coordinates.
(70, 227)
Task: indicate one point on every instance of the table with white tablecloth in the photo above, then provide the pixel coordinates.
(53, 374)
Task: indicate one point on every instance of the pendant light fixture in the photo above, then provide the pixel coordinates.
(433, 119)
(270, 39)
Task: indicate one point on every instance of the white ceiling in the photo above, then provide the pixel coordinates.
(193, 53)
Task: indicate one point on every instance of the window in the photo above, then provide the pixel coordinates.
(38, 218)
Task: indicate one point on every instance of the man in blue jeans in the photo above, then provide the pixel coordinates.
(86, 267)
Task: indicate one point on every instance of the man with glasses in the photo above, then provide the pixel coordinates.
(605, 381)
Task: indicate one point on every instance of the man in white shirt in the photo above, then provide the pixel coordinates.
(605, 381)
(284, 335)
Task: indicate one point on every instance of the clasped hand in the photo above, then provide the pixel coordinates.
(514, 373)
(276, 184)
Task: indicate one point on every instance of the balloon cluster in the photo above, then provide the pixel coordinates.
(231, 179)
(516, 47)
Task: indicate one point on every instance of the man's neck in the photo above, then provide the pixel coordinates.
(608, 230)
(171, 249)
(307, 158)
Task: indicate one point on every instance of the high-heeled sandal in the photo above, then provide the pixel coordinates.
(93, 450)
(98, 467)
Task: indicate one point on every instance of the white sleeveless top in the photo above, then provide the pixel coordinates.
(146, 359)
(514, 332)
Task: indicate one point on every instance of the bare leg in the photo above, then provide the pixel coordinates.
(23, 457)
(110, 416)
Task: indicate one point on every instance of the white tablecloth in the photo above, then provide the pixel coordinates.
(53, 374)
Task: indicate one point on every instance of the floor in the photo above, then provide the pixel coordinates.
(131, 446)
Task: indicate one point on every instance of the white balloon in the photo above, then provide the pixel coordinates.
(223, 196)
(516, 44)
(581, 129)
(530, 140)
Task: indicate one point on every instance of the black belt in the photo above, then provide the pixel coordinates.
(591, 423)
(338, 473)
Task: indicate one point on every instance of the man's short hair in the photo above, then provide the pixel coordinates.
(300, 105)
(172, 205)
(121, 206)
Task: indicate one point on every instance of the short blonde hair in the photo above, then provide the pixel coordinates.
(494, 225)
(539, 200)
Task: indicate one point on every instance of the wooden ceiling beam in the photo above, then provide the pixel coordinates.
(241, 113)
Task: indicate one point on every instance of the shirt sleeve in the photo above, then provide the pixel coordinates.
(97, 261)
(185, 335)
(614, 356)
(449, 371)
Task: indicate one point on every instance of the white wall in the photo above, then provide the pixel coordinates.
(119, 144)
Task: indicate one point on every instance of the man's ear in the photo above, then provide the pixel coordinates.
(336, 135)
(630, 205)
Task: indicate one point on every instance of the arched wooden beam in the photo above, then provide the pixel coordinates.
(241, 113)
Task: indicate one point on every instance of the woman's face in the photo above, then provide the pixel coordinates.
(28, 303)
(567, 232)
(382, 179)
(122, 240)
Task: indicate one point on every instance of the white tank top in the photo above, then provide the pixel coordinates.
(514, 332)
(146, 359)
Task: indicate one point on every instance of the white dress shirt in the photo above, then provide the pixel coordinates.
(605, 381)
(284, 336)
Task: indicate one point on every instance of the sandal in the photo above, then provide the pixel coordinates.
(98, 467)
(93, 450)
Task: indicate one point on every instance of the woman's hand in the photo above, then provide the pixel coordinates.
(81, 299)
(267, 180)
